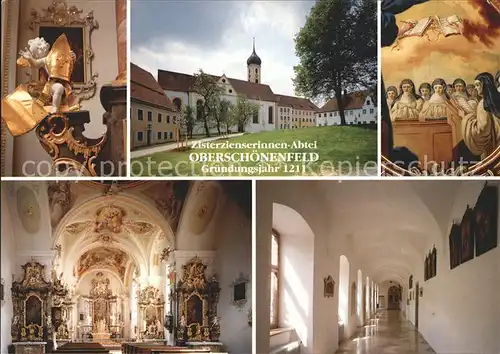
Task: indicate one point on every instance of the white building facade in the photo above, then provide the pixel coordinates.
(359, 109)
(295, 112)
(178, 88)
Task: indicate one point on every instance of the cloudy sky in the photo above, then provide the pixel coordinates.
(216, 36)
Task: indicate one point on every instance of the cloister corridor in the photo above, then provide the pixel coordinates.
(387, 333)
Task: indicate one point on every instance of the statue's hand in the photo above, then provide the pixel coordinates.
(26, 54)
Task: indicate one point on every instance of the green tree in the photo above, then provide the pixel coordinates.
(226, 115)
(366, 28)
(243, 112)
(331, 52)
(206, 86)
(188, 121)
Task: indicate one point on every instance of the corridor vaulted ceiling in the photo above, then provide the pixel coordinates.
(389, 225)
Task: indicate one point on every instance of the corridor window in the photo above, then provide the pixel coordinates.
(275, 271)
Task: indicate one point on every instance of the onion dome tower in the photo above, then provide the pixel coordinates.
(253, 66)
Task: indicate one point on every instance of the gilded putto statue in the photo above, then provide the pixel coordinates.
(30, 103)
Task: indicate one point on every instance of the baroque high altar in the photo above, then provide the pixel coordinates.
(101, 311)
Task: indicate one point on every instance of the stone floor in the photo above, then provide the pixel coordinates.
(387, 333)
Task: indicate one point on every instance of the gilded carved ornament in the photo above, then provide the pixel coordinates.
(59, 14)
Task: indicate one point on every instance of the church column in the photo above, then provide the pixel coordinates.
(125, 310)
(121, 37)
(169, 287)
(262, 266)
(10, 29)
(114, 100)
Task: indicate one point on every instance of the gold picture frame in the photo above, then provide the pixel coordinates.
(239, 290)
(59, 18)
(329, 284)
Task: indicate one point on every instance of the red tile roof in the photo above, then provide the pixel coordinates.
(354, 100)
(145, 89)
(173, 81)
(296, 102)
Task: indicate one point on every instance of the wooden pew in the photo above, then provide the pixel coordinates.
(82, 348)
(148, 348)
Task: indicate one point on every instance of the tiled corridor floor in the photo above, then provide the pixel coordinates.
(387, 333)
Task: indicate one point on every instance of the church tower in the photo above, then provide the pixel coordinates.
(253, 66)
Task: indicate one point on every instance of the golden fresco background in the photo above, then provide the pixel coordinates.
(450, 57)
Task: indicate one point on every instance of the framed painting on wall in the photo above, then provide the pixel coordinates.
(467, 235)
(455, 246)
(329, 284)
(60, 18)
(486, 220)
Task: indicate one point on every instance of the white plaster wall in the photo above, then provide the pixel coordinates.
(40, 241)
(263, 124)
(8, 268)
(183, 96)
(459, 309)
(268, 193)
(234, 256)
(296, 273)
(186, 239)
(105, 63)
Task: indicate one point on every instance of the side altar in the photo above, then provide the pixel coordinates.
(197, 300)
(40, 311)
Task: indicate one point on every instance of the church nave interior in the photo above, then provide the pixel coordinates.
(146, 263)
(372, 267)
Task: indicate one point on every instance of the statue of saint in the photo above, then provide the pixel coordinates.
(408, 104)
(29, 104)
(102, 326)
(481, 129)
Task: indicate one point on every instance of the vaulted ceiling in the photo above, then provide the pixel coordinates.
(390, 225)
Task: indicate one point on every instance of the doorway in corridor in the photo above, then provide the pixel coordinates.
(417, 290)
(394, 298)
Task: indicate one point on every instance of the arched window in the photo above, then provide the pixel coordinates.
(199, 109)
(255, 119)
(256, 71)
(178, 103)
(275, 279)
